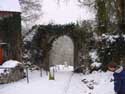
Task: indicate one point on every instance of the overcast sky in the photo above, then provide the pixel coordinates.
(10, 5)
(63, 13)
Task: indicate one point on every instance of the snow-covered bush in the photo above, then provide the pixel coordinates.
(28, 46)
(111, 49)
(95, 65)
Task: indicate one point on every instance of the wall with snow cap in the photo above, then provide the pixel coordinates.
(11, 71)
(10, 64)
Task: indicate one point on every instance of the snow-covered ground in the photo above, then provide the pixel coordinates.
(66, 82)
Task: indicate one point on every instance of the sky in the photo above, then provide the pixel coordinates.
(64, 12)
(8, 5)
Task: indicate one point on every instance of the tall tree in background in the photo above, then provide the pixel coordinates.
(120, 5)
(108, 12)
(101, 12)
(31, 11)
(102, 16)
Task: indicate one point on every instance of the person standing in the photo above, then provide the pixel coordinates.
(119, 78)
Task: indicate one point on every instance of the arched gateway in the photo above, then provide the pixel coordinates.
(44, 38)
(62, 52)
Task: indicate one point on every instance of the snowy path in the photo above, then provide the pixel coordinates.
(66, 82)
(77, 86)
(67, 85)
(38, 85)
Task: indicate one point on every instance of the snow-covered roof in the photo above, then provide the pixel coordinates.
(10, 6)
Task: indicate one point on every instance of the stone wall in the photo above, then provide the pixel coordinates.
(12, 75)
(46, 35)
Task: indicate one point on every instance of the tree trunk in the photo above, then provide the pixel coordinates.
(121, 14)
(102, 16)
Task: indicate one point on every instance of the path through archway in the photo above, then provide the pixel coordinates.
(62, 52)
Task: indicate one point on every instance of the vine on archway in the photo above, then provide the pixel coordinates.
(46, 34)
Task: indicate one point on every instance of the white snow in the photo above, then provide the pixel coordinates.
(110, 38)
(101, 82)
(29, 37)
(93, 55)
(66, 82)
(31, 34)
(96, 64)
(10, 63)
(10, 5)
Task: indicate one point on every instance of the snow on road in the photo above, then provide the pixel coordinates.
(76, 86)
(66, 82)
(38, 85)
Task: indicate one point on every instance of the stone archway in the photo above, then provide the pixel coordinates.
(44, 38)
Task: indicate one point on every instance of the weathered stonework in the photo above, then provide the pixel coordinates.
(44, 38)
(12, 74)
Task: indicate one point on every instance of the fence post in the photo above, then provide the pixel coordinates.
(41, 72)
(27, 76)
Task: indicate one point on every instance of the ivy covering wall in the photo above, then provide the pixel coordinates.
(10, 33)
(47, 34)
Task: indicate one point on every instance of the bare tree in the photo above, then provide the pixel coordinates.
(31, 11)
